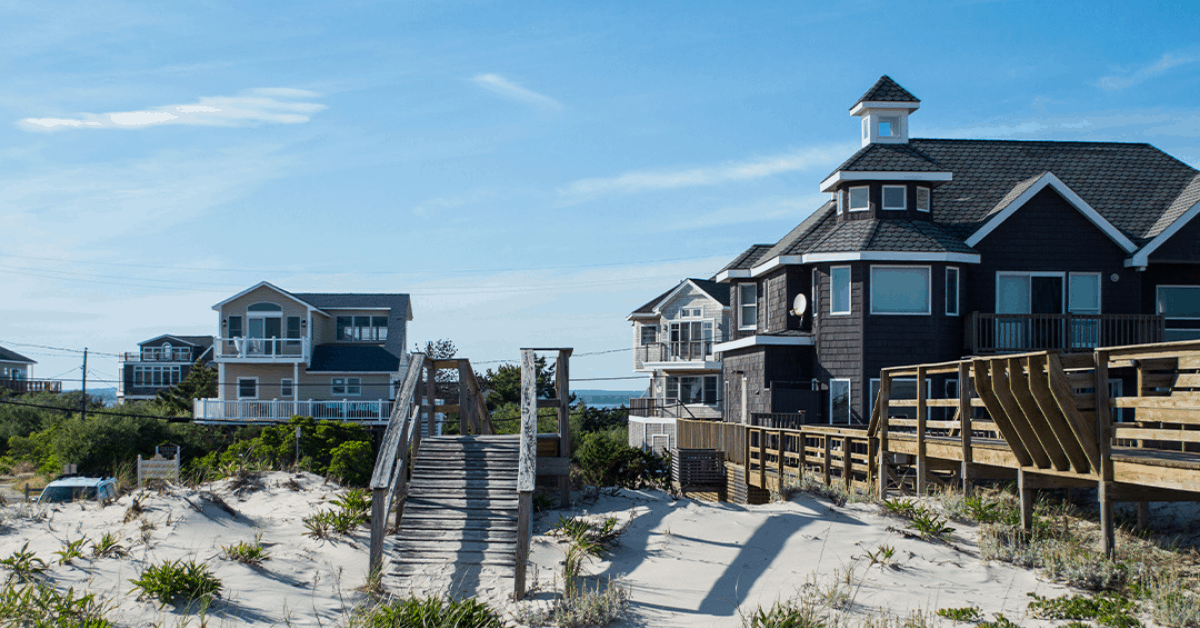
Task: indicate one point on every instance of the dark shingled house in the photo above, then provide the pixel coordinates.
(930, 250)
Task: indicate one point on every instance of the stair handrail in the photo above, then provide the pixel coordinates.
(391, 465)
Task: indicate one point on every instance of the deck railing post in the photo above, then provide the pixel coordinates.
(562, 388)
(779, 449)
(1104, 442)
(827, 462)
(847, 463)
(964, 416)
(527, 470)
(885, 392)
(922, 461)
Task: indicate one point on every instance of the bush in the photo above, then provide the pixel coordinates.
(352, 463)
(430, 613)
(44, 606)
(606, 459)
(178, 581)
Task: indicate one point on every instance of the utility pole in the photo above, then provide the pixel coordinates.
(83, 397)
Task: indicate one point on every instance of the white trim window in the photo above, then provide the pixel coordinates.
(860, 198)
(839, 199)
(146, 376)
(348, 386)
(895, 197)
(839, 401)
(923, 199)
(649, 334)
(1180, 306)
(952, 284)
(690, 389)
(839, 290)
(247, 388)
(900, 290)
(889, 126)
(748, 306)
(362, 328)
(286, 387)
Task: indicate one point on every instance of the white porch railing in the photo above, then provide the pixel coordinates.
(275, 410)
(265, 349)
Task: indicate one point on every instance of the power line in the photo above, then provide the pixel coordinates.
(79, 351)
(169, 419)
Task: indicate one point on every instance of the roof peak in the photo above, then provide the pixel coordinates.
(886, 90)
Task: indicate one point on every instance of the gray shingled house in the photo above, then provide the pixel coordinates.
(931, 250)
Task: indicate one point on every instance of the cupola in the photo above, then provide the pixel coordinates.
(884, 111)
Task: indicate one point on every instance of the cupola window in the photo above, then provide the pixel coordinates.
(893, 197)
(859, 199)
(889, 126)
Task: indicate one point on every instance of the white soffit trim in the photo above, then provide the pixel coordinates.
(883, 104)
(736, 273)
(763, 341)
(1142, 257)
(882, 175)
(865, 256)
(274, 287)
(1055, 183)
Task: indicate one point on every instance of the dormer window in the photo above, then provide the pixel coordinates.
(922, 199)
(838, 197)
(860, 199)
(889, 126)
(894, 197)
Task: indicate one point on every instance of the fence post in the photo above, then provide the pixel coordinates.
(885, 392)
(922, 462)
(964, 416)
(847, 463)
(139, 470)
(1104, 446)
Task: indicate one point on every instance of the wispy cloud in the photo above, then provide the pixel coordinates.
(256, 106)
(1118, 82)
(499, 85)
(651, 180)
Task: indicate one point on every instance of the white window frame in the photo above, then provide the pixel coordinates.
(850, 199)
(346, 384)
(928, 292)
(849, 291)
(953, 311)
(673, 382)
(838, 198)
(239, 387)
(849, 399)
(903, 198)
(742, 307)
(289, 385)
(815, 289)
(1099, 294)
(928, 199)
(642, 335)
(893, 123)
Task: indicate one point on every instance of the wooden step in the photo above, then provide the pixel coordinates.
(435, 494)
(436, 557)
(495, 546)
(463, 534)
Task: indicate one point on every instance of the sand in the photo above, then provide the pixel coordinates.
(686, 563)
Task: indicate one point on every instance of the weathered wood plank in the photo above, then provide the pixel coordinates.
(1038, 389)
(1012, 413)
(984, 388)
(1084, 430)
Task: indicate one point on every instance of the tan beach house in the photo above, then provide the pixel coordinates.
(330, 356)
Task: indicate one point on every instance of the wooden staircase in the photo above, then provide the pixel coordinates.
(458, 530)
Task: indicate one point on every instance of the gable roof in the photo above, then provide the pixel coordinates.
(266, 284)
(648, 308)
(716, 291)
(194, 341)
(747, 258)
(887, 90)
(7, 355)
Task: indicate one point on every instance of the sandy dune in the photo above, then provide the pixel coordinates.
(687, 563)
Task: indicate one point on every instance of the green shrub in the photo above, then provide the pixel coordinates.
(109, 547)
(24, 565)
(606, 459)
(785, 615)
(429, 613)
(1108, 610)
(45, 607)
(247, 553)
(966, 614)
(178, 581)
(352, 463)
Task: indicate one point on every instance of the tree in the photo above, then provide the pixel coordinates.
(445, 380)
(505, 383)
(200, 383)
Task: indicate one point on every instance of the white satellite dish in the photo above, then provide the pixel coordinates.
(799, 305)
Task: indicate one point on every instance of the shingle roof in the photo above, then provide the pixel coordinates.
(890, 158)
(811, 229)
(887, 90)
(349, 300)
(648, 308)
(197, 341)
(1132, 186)
(910, 236)
(748, 258)
(353, 358)
(12, 356)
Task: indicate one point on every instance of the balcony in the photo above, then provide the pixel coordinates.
(23, 386)
(262, 349)
(159, 354)
(1012, 333)
(696, 351)
(672, 409)
(216, 411)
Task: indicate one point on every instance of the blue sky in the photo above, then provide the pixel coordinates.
(530, 172)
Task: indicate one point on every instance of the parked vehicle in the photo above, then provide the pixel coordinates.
(77, 488)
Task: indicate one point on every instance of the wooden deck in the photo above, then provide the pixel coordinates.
(1044, 419)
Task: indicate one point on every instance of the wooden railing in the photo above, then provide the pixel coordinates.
(390, 476)
(777, 458)
(660, 409)
(24, 386)
(777, 420)
(265, 349)
(679, 350)
(250, 410)
(728, 437)
(1006, 333)
(159, 354)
